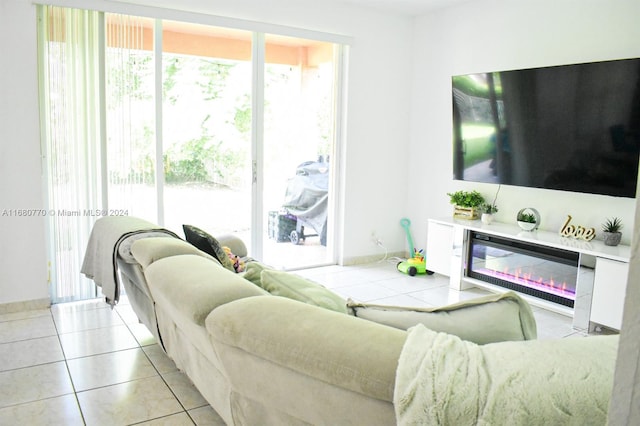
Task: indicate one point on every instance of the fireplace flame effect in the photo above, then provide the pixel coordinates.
(549, 275)
(524, 278)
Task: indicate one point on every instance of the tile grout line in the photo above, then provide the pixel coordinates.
(66, 364)
(184, 410)
(139, 346)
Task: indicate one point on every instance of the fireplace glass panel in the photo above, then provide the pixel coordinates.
(543, 272)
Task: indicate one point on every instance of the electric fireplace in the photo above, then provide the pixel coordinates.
(545, 272)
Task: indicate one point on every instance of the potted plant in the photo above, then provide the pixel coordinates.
(528, 219)
(466, 204)
(488, 210)
(611, 229)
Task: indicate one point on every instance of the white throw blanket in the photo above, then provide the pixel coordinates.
(99, 262)
(443, 380)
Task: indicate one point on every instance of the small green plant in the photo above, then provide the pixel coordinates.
(466, 198)
(526, 217)
(489, 208)
(612, 225)
(493, 207)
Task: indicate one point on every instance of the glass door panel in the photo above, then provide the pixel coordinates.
(206, 114)
(165, 134)
(130, 116)
(299, 122)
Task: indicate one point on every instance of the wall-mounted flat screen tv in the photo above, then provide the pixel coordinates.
(570, 127)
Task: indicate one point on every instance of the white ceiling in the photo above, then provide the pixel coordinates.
(405, 7)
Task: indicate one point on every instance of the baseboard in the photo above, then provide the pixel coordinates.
(362, 260)
(27, 305)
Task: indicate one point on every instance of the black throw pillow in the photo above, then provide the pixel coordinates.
(208, 244)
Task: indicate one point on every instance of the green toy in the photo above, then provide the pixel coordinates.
(414, 266)
(417, 264)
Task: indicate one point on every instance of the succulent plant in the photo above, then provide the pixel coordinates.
(526, 217)
(612, 225)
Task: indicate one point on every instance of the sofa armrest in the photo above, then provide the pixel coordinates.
(335, 348)
(235, 244)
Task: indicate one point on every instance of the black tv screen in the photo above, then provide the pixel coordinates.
(570, 127)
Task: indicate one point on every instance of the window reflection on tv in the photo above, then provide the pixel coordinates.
(570, 127)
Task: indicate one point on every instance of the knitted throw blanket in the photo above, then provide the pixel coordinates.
(443, 380)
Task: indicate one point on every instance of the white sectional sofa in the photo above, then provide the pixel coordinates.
(269, 348)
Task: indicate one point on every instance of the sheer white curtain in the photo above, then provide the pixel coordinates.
(86, 139)
(69, 55)
(130, 116)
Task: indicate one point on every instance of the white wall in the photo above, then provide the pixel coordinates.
(490, 35)
(377, 126)
(494, 35)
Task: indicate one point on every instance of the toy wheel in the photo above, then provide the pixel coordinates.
(294, 237)
(429, 272)
(412, 271)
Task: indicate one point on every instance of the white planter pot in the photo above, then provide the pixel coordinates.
(527, 226)
(486, 218)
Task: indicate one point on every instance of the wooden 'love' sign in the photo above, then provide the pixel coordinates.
(577, 231)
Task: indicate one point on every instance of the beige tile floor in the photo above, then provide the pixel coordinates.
(85, 364)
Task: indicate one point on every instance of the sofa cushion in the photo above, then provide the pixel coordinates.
(148, 250)
(191, 286)
(207, 244)
(124, 248)
(492, 318)
(292, 286)
(337, 349)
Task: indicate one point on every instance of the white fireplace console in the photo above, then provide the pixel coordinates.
(602, 270)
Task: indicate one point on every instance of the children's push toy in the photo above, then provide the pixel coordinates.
(417, 264)
(414, 266)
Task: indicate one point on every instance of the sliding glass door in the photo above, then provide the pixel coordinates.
(206, 128)
(225, 129)
(129, 125)
(299, 134)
